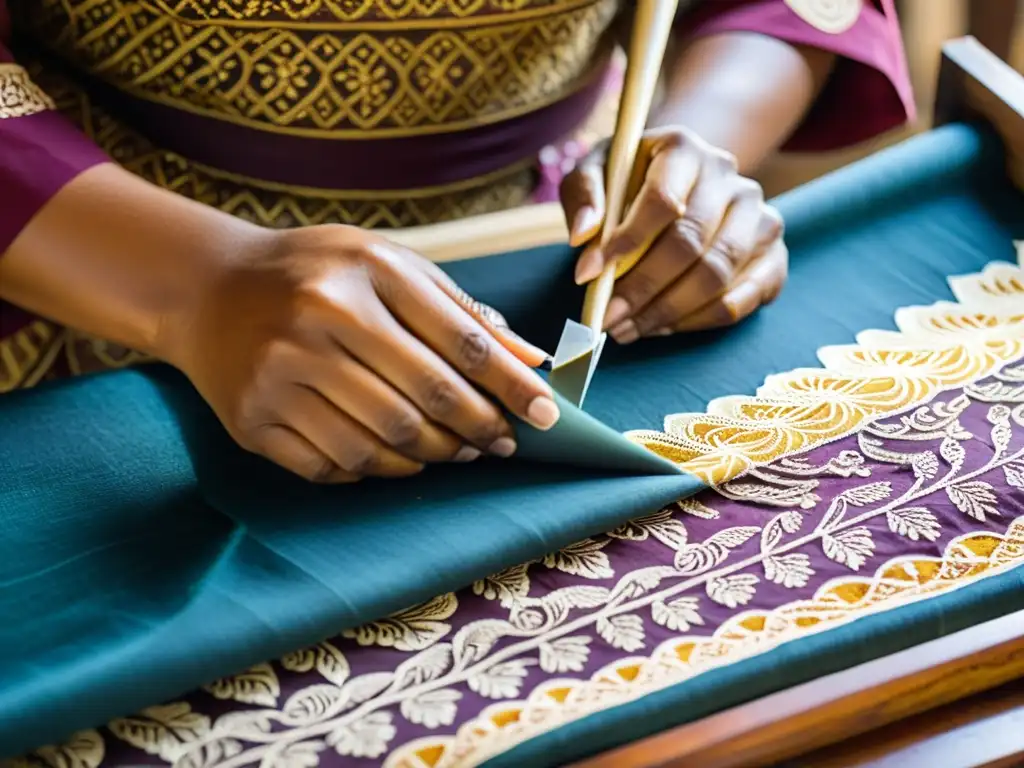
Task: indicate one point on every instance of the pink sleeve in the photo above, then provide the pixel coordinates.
(869, 91)
(40, 151)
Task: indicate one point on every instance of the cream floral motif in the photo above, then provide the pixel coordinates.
(19, 96)
(903, 421)
(936, 348)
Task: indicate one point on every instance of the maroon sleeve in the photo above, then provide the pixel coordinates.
(40, 151)
(869, 91)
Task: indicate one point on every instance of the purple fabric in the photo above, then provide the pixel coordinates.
(39, 154)
(833, 515)
(373, 164)
(869, 91)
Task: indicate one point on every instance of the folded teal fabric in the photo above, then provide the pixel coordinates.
(143, 554)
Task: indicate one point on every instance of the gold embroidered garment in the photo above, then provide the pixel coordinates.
(888, 477)
(380, 113)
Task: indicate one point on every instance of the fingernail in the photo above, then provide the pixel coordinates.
(586, 220)
(618, 310)
(662, 332)
(625, 333)
(542, 413)
(588, 267)
(466, 454)
(503, 447)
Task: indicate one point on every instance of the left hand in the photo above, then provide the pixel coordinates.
(711, 249)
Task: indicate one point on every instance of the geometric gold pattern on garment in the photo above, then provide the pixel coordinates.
(830, 16)
(323, 74)
(939, 347)
(282, 206)
(19, 96)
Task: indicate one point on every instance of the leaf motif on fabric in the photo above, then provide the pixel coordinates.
(566, 654)
(164, 731)
(733, 591)
(787, 522)
(790, 493)
(209, 754)
(999, 418)
(365, 687)
(313, 703)
(863, 495)
(953, 452)
(677, 615)
(303, 754)
(367, 737)
(791, 570)
(424, 667)
(975, 498)
(914, 523)
(625, 632)
(432, 709)
(502, 681)
(560, 602)
(413, 629)
(639, 583)
(475, 640)
(507, 586)
(851, 548)
(698, 558)
(257, 685)
(1014, 473)
(925, 465)
(584, 559)
(692, 506)
(662, 525)
(329, 662)
(85, 749)
(246, 724)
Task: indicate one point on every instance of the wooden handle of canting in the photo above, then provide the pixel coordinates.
(652, 25)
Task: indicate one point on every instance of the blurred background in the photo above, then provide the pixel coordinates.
(998, 24)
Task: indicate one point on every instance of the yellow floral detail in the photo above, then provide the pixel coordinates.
(19, 96)
(937, 347)
(306, 69)
(899, 582)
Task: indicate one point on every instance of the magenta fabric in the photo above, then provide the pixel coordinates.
(869, 91)
(39, 154)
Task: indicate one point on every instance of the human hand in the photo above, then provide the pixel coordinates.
(710, 250)
(339, 355)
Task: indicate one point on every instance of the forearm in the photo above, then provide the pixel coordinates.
(119, 258)
(742, 92)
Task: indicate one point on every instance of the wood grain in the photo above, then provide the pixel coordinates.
(835, 707)
(974, 84)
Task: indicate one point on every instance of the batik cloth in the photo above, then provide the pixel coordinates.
(377, 113)
(865, 498)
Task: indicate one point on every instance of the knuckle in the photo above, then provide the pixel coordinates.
(722, 161)
(319, 470)
(474, 351)
(720, 266)
(402, 428)
(688, 232)
(661, 198)
(658, 315)
(772, 222)
(359, 457)
(748, 189)
(440, 399)
(638, 287)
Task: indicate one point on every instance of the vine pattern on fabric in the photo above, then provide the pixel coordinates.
(19, 96)
(923, 497)
(325, 77)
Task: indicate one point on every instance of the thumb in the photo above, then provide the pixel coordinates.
(582, 196)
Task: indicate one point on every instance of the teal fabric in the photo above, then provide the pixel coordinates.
(143, 554)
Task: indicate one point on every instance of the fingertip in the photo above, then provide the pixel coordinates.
(585, 225)
(589, 266)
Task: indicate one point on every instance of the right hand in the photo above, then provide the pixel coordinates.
(338, 355)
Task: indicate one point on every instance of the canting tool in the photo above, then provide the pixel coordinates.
(581, 344)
